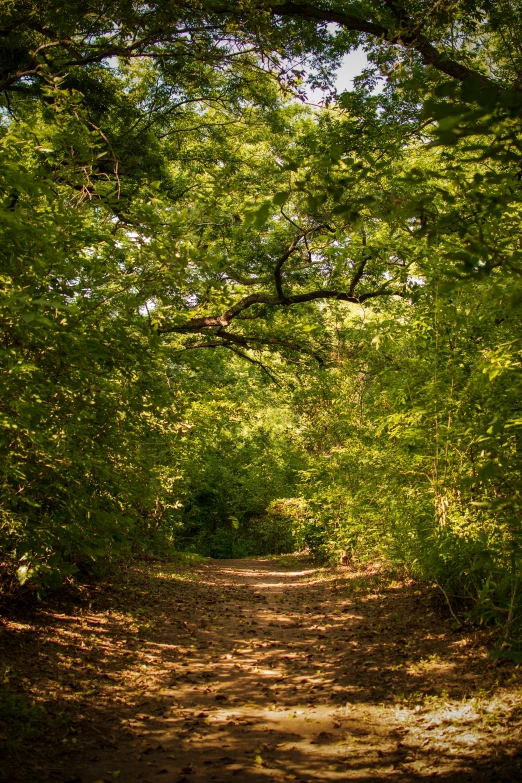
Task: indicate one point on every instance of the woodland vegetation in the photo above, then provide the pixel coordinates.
(237, 323)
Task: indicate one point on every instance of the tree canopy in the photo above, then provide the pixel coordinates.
(237, 321)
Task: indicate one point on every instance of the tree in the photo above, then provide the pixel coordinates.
(183, 236)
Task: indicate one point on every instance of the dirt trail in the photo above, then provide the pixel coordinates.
(259, 670)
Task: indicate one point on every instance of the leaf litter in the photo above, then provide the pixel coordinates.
(253, 670)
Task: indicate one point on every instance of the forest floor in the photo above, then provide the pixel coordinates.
(268, 669)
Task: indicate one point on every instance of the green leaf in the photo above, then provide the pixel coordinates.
(258, 217)
(281, 198)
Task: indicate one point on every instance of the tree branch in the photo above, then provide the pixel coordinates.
(246, 281)
(286, 256)
(253, 361)
(360, 269)
(238, 353)
(87, 52)
(410, 40)
(275, 342)
(217, 322)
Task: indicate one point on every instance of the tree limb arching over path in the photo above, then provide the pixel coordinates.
(405, 36)
(217, 325)
(161, 31)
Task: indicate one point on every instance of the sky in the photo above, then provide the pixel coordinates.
(353, 64)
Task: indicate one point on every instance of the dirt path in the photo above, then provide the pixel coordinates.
(256, 670)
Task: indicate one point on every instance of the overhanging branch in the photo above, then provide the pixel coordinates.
(408, 39)
(157, 40)
(246, 341)
(217, 322)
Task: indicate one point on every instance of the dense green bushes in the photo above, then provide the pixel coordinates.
(242, 454)
(415, 454)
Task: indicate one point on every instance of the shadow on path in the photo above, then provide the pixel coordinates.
(258, 670)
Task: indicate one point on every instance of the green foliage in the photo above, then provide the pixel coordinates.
(77, 373)
(233, 324)
(419, 455)
(237, 460)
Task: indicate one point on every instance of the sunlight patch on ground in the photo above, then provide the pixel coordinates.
(213, 675)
